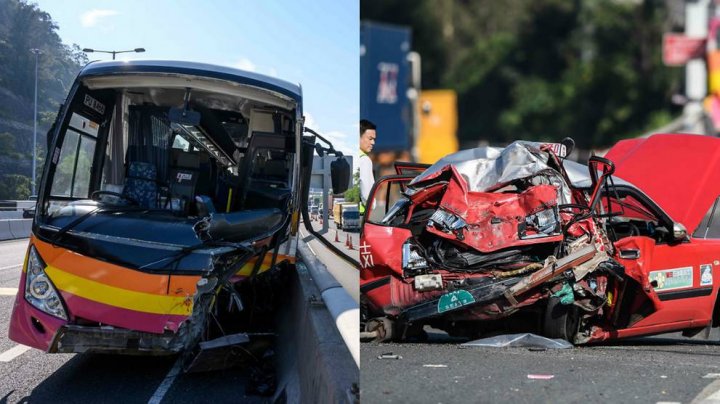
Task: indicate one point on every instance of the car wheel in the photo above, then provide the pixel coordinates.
(382, 329)
(561, 320)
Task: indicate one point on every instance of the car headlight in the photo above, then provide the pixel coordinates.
(413, 263)
(39, 290)
(544, 223)
(448, 223)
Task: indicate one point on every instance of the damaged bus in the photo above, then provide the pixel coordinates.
(167, 210)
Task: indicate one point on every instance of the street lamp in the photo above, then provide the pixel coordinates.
(136, 50)
(37, 52)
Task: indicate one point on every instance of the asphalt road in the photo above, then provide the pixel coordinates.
(664, 369)
(34, 376)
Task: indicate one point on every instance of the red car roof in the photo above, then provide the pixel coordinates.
(680, 172)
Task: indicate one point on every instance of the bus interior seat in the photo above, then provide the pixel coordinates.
(141, 184)
(184, 176)
(260, 190)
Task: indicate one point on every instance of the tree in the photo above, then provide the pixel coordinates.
(7, 145)
(14, 186)
(353, 193)
(24, 26)
(543, 69)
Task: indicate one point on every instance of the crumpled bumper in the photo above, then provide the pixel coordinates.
(78, 339)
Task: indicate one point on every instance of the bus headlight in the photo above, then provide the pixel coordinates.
(39, 290)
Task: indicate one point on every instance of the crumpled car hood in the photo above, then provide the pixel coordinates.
(489, 168)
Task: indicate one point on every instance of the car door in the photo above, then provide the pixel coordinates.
(408, 168)
(685, 275)
(677, 275)
(380, 241)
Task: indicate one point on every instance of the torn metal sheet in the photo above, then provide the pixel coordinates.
(524, 340)
(489, 168)
(494, 221)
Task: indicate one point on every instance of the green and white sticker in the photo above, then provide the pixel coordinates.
(670, 279)
(453, 300)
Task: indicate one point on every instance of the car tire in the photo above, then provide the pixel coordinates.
(383, 327)
(561, 320)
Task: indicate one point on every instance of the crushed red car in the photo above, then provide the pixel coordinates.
(518, 238)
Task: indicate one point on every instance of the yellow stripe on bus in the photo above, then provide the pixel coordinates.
(227, 208)
(246, 269)
(123, 298)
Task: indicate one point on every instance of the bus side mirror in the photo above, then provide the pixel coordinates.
(340, 175)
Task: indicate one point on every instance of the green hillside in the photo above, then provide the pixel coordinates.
(23, 26)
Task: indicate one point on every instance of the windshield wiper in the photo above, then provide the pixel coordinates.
(74, 223)
(185, 251)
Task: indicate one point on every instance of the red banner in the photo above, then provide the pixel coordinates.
(678, 49)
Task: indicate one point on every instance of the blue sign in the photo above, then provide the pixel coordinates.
(384, 81)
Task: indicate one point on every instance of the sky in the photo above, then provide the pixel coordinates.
(311, 42)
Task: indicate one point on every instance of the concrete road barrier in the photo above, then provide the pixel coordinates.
(21, 227)
(11, 214)
(5, 230)
(15, 228)
(344, 309)
(315, 363)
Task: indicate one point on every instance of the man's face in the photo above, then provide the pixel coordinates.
(367, 140)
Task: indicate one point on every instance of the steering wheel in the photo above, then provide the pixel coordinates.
(126, 198)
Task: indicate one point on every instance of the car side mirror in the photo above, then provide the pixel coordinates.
(679, 232)
(569, 144)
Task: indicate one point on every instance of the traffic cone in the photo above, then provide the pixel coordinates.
(337, 240)
(347, 240)
(350, 246)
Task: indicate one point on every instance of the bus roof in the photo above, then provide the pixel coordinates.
(288, 89)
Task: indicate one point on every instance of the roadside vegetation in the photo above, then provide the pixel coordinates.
(545, 69)
(23, 26)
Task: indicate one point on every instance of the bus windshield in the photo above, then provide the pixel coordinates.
(135, 166)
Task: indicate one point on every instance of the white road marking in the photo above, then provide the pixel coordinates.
(8, 291)
(713, 397)
(311, 249)
(11, 266)
(434, 366)
(167, 382)
(308, 244)
(13, 353)
(712, 376)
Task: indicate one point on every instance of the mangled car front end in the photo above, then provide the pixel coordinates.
(491, 240)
